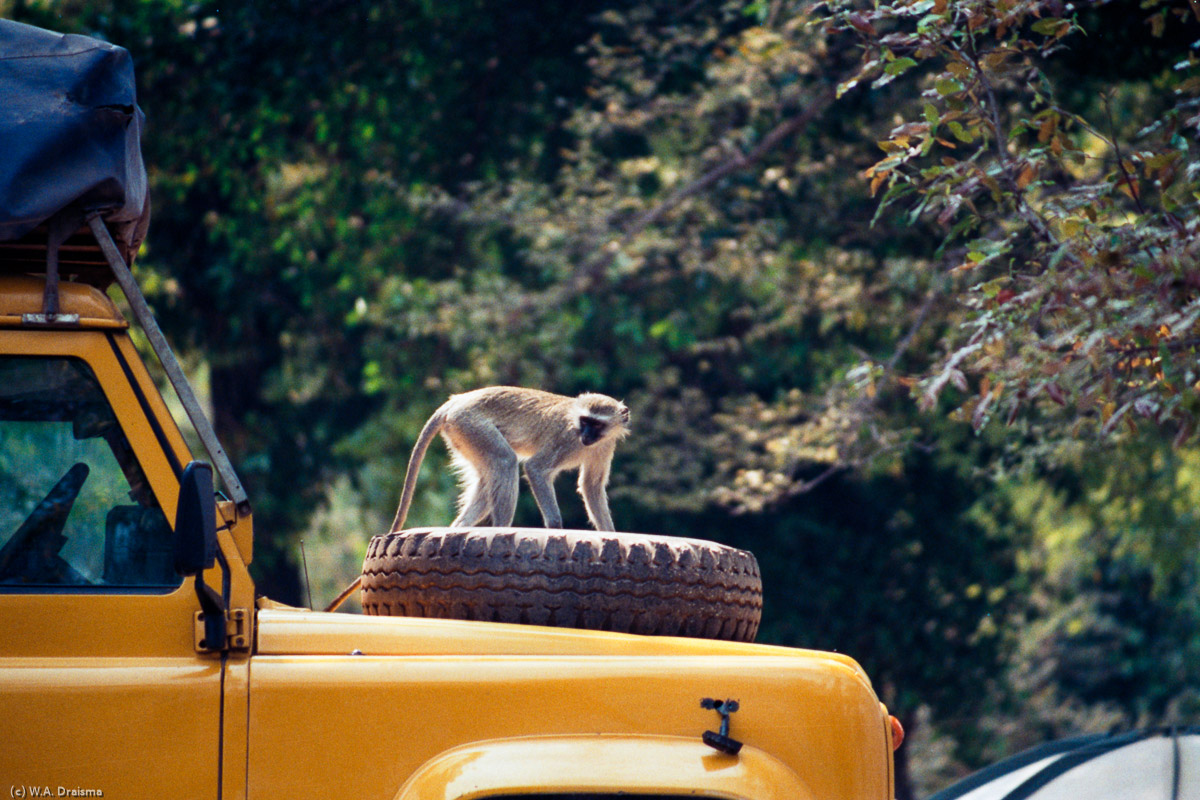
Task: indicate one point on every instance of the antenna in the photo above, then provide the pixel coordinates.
(307, 583)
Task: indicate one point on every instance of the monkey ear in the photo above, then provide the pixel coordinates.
(591, 430)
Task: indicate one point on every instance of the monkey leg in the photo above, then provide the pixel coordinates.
(473, 506)
(541, 482)
(494, 463)
(592, 479)
(502, 491)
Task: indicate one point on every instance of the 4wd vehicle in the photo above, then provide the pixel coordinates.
(136, 660)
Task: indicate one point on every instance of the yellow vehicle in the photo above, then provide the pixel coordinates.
(137, 661)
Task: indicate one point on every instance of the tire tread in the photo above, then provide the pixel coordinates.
(633, 583)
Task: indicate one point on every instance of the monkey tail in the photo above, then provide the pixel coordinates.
(432, 428)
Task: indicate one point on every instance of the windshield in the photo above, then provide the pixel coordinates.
(75, 507)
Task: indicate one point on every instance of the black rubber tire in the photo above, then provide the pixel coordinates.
(626, 582)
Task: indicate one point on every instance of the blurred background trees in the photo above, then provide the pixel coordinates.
(904, 298)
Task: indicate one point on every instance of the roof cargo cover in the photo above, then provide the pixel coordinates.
(70, 132)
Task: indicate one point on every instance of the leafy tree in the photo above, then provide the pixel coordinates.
(1114, 635)
(1068, 204)
(703, 241)
(1012, 263)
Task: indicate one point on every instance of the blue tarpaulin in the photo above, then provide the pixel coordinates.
(70, 133)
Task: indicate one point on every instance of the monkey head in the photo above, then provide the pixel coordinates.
(601, 417)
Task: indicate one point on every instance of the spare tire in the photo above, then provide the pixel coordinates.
(627, 582)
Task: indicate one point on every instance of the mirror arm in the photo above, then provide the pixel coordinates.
(214, 615)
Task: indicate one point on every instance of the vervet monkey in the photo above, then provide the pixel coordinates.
(490, 431)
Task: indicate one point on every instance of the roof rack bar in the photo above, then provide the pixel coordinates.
(50, 299)
(58, 230)
(141, 311)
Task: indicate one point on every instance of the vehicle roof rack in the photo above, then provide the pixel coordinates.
(80, 258)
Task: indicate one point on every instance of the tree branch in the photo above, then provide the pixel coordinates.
(804, 487)
(1024, 210)
(1128, 180)
(913, 329)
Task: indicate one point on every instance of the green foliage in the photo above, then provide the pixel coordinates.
(1115, 546)
(1069, 216)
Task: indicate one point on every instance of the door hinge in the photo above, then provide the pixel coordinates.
(237, 632)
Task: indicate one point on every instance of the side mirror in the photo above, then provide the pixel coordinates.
(195, 521)
(196, 546)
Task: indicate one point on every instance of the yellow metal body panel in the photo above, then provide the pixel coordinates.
(593, 764)
(385, 715)
(129, 726)
(21, 295)
(106, 691)
(290, 631)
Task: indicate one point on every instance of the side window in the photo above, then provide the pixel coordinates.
(76, 510)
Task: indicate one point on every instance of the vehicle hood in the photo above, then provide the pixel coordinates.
(283, 630)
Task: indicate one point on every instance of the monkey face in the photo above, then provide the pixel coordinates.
(591, 430)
